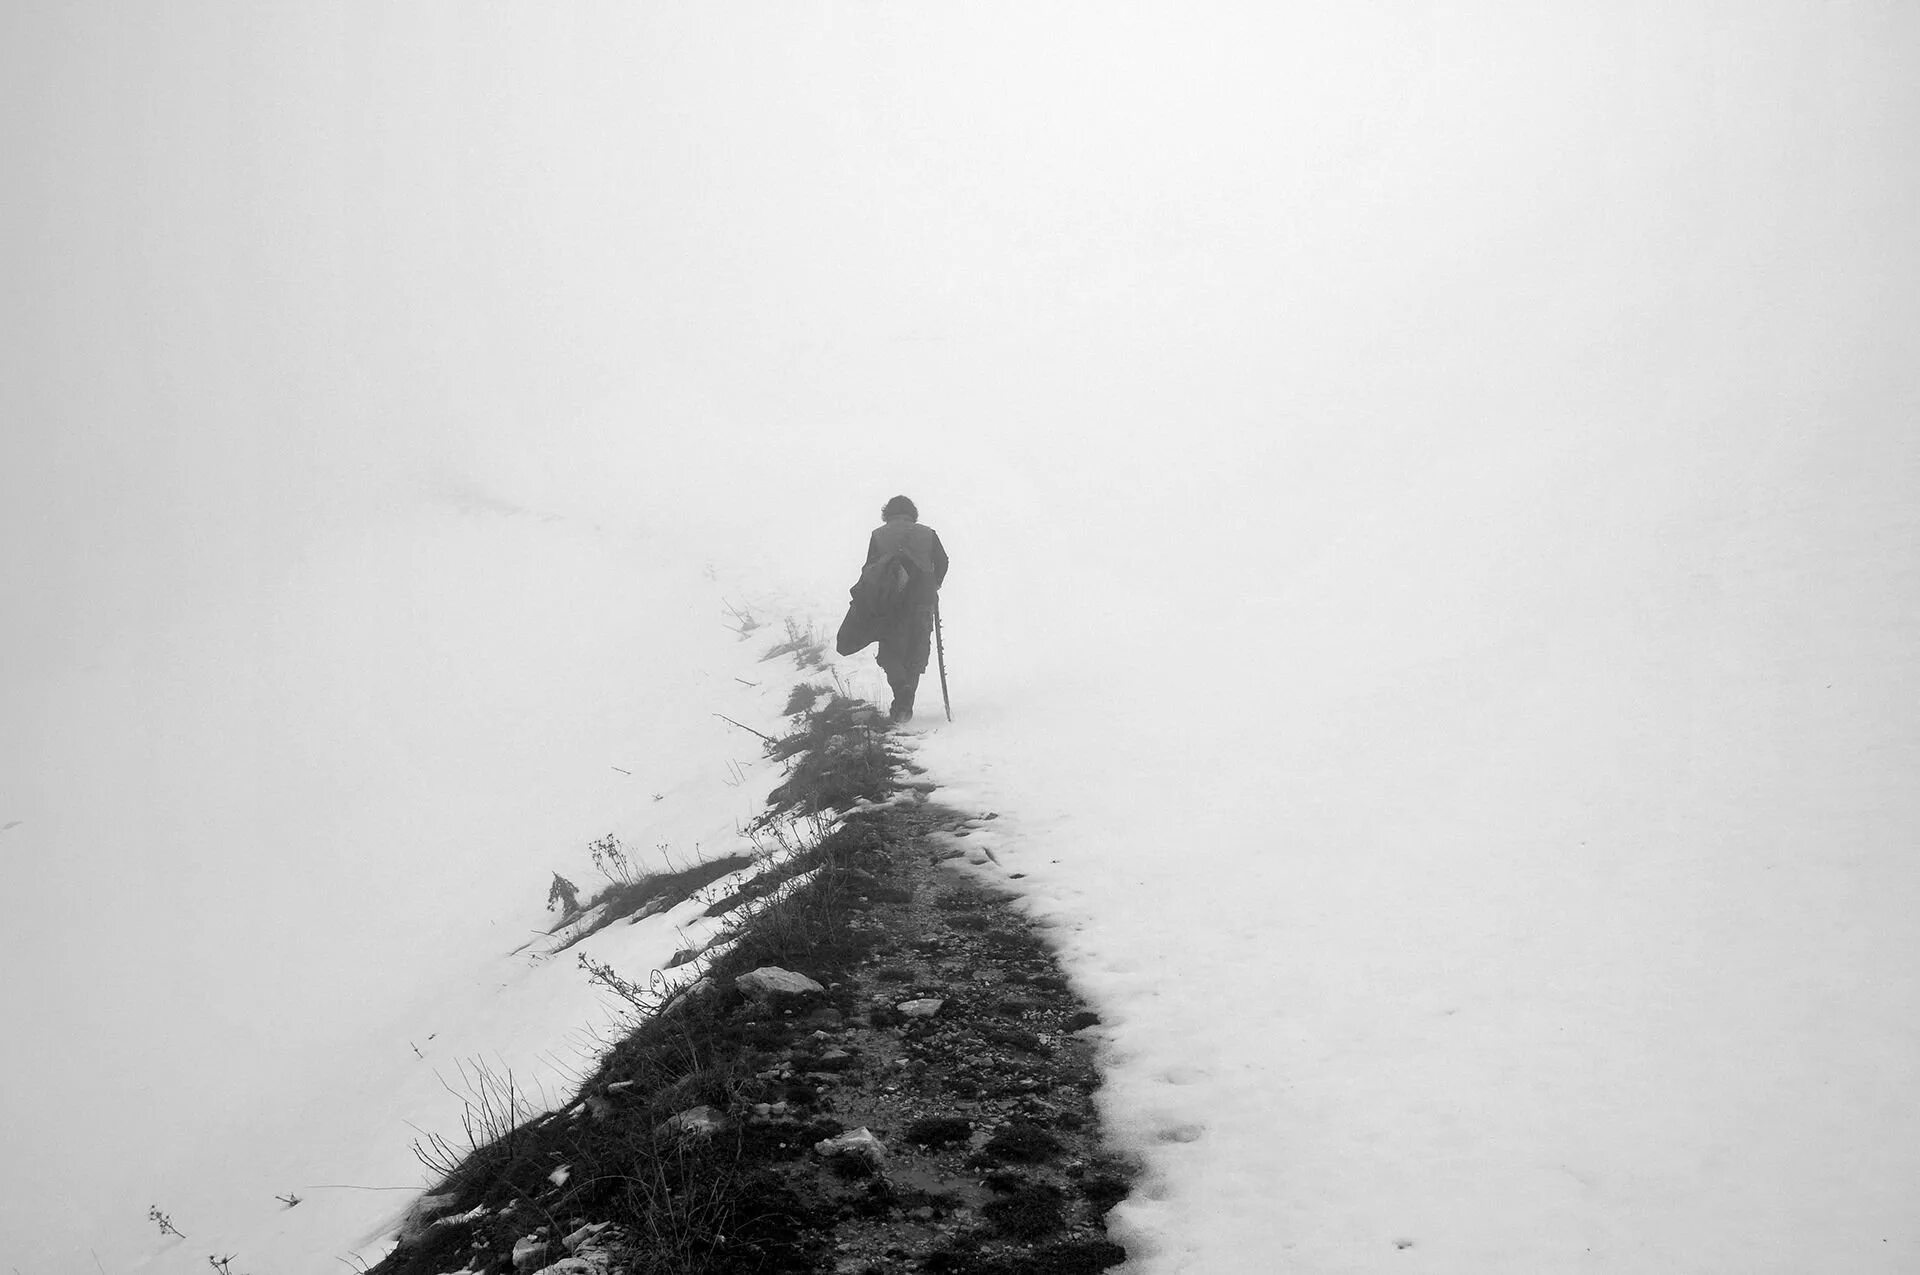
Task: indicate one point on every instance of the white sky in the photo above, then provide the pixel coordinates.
(1494, 314)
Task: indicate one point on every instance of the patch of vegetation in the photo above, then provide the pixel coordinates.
(1021, 1142)
(643, 895)
(840, 760)
(1015, 1038)
(1104, 1190)
(939, 1131)
(804, 697)
(1030, 1212)
(803, 644)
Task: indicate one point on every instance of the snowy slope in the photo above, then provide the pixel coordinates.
(1581, 941)
(344, 802)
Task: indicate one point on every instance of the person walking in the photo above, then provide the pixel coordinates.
(906, 635)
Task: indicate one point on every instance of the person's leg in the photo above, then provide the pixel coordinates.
(895, 669)
(913, 660)
(903, 691)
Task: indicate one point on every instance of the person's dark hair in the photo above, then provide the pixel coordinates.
(900, 505)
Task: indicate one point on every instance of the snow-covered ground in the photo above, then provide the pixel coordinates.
(1436, 569)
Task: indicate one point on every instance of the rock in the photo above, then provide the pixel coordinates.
(925, 1007)
(692, 991)
(771, 980)
(529, 1253)
(560, 1175)
(421, 1215)
(590, 1231)
(856, 1142)
(701, 1121)
(574, 1266)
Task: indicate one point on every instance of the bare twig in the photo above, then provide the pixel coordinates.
(750, 730)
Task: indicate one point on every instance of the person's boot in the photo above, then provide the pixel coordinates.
(903, 698)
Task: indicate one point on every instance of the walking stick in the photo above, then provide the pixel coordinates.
(940, 647)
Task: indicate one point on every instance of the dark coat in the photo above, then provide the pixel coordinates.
(884, 608)
(902, 535)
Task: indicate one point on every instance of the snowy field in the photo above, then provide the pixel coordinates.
(1436, 583)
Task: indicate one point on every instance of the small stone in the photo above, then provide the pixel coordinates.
(560, 1175)
(925, 1007)
(857, 1142)
(529, 1252)
(771, 979)
(575, 1266)
(573, 1242)
(692, 991)
(698, 1121)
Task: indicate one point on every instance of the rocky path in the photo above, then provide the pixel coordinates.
(883, 1070)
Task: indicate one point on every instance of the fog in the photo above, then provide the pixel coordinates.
(358, 355)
